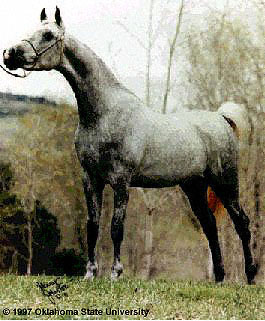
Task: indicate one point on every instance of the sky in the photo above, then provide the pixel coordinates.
(98, 24)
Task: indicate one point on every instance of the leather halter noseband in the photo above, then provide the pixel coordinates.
(37, 56)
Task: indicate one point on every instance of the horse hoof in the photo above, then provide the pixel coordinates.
(116, 271)
(115, 275)
(251, 273)
(92, 270)
(89, 276)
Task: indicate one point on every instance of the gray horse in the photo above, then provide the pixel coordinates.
(121, 142)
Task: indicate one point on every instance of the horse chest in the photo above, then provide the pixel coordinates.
(94, 149)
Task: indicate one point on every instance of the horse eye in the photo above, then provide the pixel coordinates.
(47, 36)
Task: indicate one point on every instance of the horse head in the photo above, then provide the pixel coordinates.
(43, 50)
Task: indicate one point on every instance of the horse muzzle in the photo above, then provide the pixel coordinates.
(13, 58)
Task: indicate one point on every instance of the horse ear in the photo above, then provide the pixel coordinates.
(43, 15)
(58, 18)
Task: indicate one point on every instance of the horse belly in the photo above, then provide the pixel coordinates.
(172, 164)
(151, 182)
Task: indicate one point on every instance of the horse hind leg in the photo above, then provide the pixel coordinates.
(196, 191)
(241, 223)
(229, 195)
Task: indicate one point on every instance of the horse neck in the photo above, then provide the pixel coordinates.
(89, 78)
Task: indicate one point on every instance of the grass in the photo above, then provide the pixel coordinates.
(164, 299)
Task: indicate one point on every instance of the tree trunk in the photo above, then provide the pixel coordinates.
(258, 235)
(147, 237)
(149, 49)
(148, 244)
(30, 249)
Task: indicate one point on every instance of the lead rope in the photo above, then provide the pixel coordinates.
(13, 74)
(37, 57)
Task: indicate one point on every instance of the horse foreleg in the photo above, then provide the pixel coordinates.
(196, 190)
(121, 198)
(93, 189)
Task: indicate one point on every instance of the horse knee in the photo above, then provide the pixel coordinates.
(121, 197)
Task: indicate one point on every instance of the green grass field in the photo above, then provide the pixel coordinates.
(164, 299)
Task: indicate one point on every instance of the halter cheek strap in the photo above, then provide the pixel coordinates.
(39, 54)
(36, 53)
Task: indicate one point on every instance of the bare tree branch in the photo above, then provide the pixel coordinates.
(149, 51)
(171, 55)
(140, 42)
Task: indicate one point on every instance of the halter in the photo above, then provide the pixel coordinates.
(37, 56)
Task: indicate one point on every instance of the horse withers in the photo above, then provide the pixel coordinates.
(121, 142)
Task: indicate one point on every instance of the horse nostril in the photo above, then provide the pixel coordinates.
(6, 54)
(10, 53)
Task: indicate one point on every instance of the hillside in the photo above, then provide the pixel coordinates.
(15, 104)
(12, 106)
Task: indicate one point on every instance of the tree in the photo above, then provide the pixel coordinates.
(46, 168)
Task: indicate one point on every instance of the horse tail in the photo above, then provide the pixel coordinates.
(237, 117)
